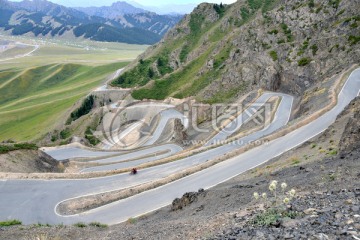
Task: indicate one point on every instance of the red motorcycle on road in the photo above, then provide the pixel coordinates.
(133, 171)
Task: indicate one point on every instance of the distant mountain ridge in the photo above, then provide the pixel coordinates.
(114, 11)
(159, 24)
(175, 9)
(130, 16)
(167, 9)
(46, 19)
(47, 8)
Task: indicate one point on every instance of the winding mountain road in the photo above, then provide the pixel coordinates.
(35, 201)
(245, 116)
(140, 115)
(281, 118)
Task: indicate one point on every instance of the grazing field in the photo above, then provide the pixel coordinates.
(37, 90)
(55, 52)
(15, 50)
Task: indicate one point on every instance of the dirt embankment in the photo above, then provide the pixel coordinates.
(29, 161)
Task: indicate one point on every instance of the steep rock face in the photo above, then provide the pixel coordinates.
(350, 139)
(219, 52)
(187, 199)
(179, 131)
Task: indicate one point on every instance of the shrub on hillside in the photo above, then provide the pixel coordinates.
(84, 109)
(90, 136)
(10, 223)
(220, 9)
(64, 134)
(17, 146)
(304, 61)
(273, 55)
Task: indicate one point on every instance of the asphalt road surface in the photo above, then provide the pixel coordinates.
(35, 201)
(141, 156)
(45, 195)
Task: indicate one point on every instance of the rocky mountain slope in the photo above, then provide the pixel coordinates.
(46, 19)
(219, 52)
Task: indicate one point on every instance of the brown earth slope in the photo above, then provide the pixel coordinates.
(28, 161)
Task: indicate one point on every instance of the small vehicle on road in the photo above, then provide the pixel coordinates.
(133, 171)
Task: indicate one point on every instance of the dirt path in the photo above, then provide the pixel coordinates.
(36, 47)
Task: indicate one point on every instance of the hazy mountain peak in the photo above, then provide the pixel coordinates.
(115, 10)
(46, 7)
(168, 8)
(121, 5)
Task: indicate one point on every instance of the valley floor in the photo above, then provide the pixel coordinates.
(41, 80)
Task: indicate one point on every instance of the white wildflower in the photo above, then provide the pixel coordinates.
(286, 200)
(292, 192)
(274, 182)
(272, 187)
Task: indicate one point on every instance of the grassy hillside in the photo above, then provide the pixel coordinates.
(36, 91)
(32, 100)
(181, 78)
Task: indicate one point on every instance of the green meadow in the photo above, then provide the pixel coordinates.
(37, 91)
